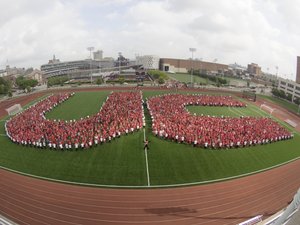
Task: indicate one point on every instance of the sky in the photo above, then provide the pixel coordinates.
(266, 32)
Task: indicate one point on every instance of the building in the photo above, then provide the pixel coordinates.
(148, 61)
(185, 65)
(254, 69)
(36, 75)
(74, 69)
(54, 60)
(290, 87)
(298, 70)
(3, 73)
(98, 55)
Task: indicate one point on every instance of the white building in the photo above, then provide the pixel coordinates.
(3, 73)
(37, 75)
(98, 55)
(290, 87)
(148, 61)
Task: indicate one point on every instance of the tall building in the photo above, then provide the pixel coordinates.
(148, 61)
(254, 69)
(298, 70)
(98, 55)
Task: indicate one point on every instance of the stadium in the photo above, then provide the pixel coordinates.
(180, 178)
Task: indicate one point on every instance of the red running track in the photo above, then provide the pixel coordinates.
(27, 200)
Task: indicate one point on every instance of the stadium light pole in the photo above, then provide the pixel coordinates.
(200, 72)
(215, 62)
(276, 67)
(192, 50)
(120, 53)
(91, 49)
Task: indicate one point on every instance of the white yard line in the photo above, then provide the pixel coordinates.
(146, 157)
(5, 221)
(231, 110)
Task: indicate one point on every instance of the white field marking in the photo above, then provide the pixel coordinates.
(3, 120)
(146, 157)
(152, 186)
(238, 111)
(3, 135)
(5, 221)
(230, 109)
(261, 112)
(253, 108)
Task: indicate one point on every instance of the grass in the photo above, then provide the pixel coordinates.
(236, 81)
(122, 162)
(285, 104)
(184, 77)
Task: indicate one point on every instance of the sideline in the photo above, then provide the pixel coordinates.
(152, 186)
(146, 157)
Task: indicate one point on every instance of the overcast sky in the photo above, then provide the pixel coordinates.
(266, 32)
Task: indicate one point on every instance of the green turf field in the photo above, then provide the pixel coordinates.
(184, 77)
(123, 161)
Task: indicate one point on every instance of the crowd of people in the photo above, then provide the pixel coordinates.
(172, 121)
(122, 113)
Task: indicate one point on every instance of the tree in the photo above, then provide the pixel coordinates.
(156, 74)
(5, 86)
(28, 89)
(23, 83)
(2, 88)
(297, 101)
(161, 80)
(121, 79)
(99, 81)
(60, 80)
(289, 96)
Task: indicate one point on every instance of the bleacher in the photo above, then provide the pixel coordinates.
(292, 123)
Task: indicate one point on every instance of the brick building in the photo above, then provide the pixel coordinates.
(254, 69)
(184, 65)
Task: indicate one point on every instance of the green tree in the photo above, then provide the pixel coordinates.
(28, 89)
(161, 80)
(156, 74)
(121, 79)
(289, 96)
(23, 83)
(297, 101)
(99, 81)
(59, 80)
(5, 86)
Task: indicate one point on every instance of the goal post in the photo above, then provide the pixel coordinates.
(267, 108)
(13, 110)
